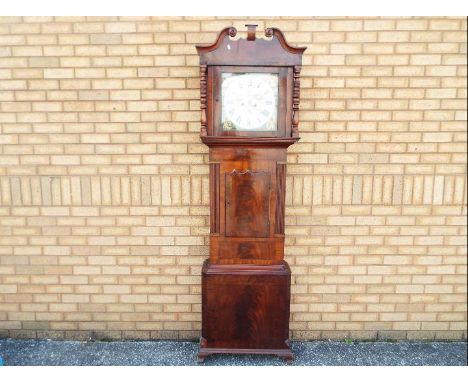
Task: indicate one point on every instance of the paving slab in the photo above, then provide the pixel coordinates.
(184, 353)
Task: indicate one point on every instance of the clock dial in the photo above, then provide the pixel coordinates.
(249, 101)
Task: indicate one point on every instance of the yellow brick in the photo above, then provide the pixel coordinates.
(425, 36)
(379, 24)
(120, 27)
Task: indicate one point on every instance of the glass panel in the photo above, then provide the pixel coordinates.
(249, 101)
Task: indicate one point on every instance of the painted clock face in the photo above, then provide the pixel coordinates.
(249, 101)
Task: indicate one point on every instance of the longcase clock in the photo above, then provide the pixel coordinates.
(249, 104)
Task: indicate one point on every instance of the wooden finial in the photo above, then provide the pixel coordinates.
(251, 31)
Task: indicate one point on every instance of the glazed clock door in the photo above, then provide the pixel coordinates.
(246, 100)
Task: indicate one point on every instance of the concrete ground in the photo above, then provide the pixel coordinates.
(175, 353)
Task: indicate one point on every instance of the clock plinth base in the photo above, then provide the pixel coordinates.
(245, 309)
(285, 354)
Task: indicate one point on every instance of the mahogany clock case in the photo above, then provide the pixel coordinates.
(245, 281)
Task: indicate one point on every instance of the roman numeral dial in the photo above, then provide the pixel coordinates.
(249, 101)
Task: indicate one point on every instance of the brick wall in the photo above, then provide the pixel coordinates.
(104, 182)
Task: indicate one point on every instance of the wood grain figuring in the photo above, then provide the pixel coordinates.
(248, 155)
(246, 307)
(214, 197)
(247, 203)
(244, 250)
(280, 197)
